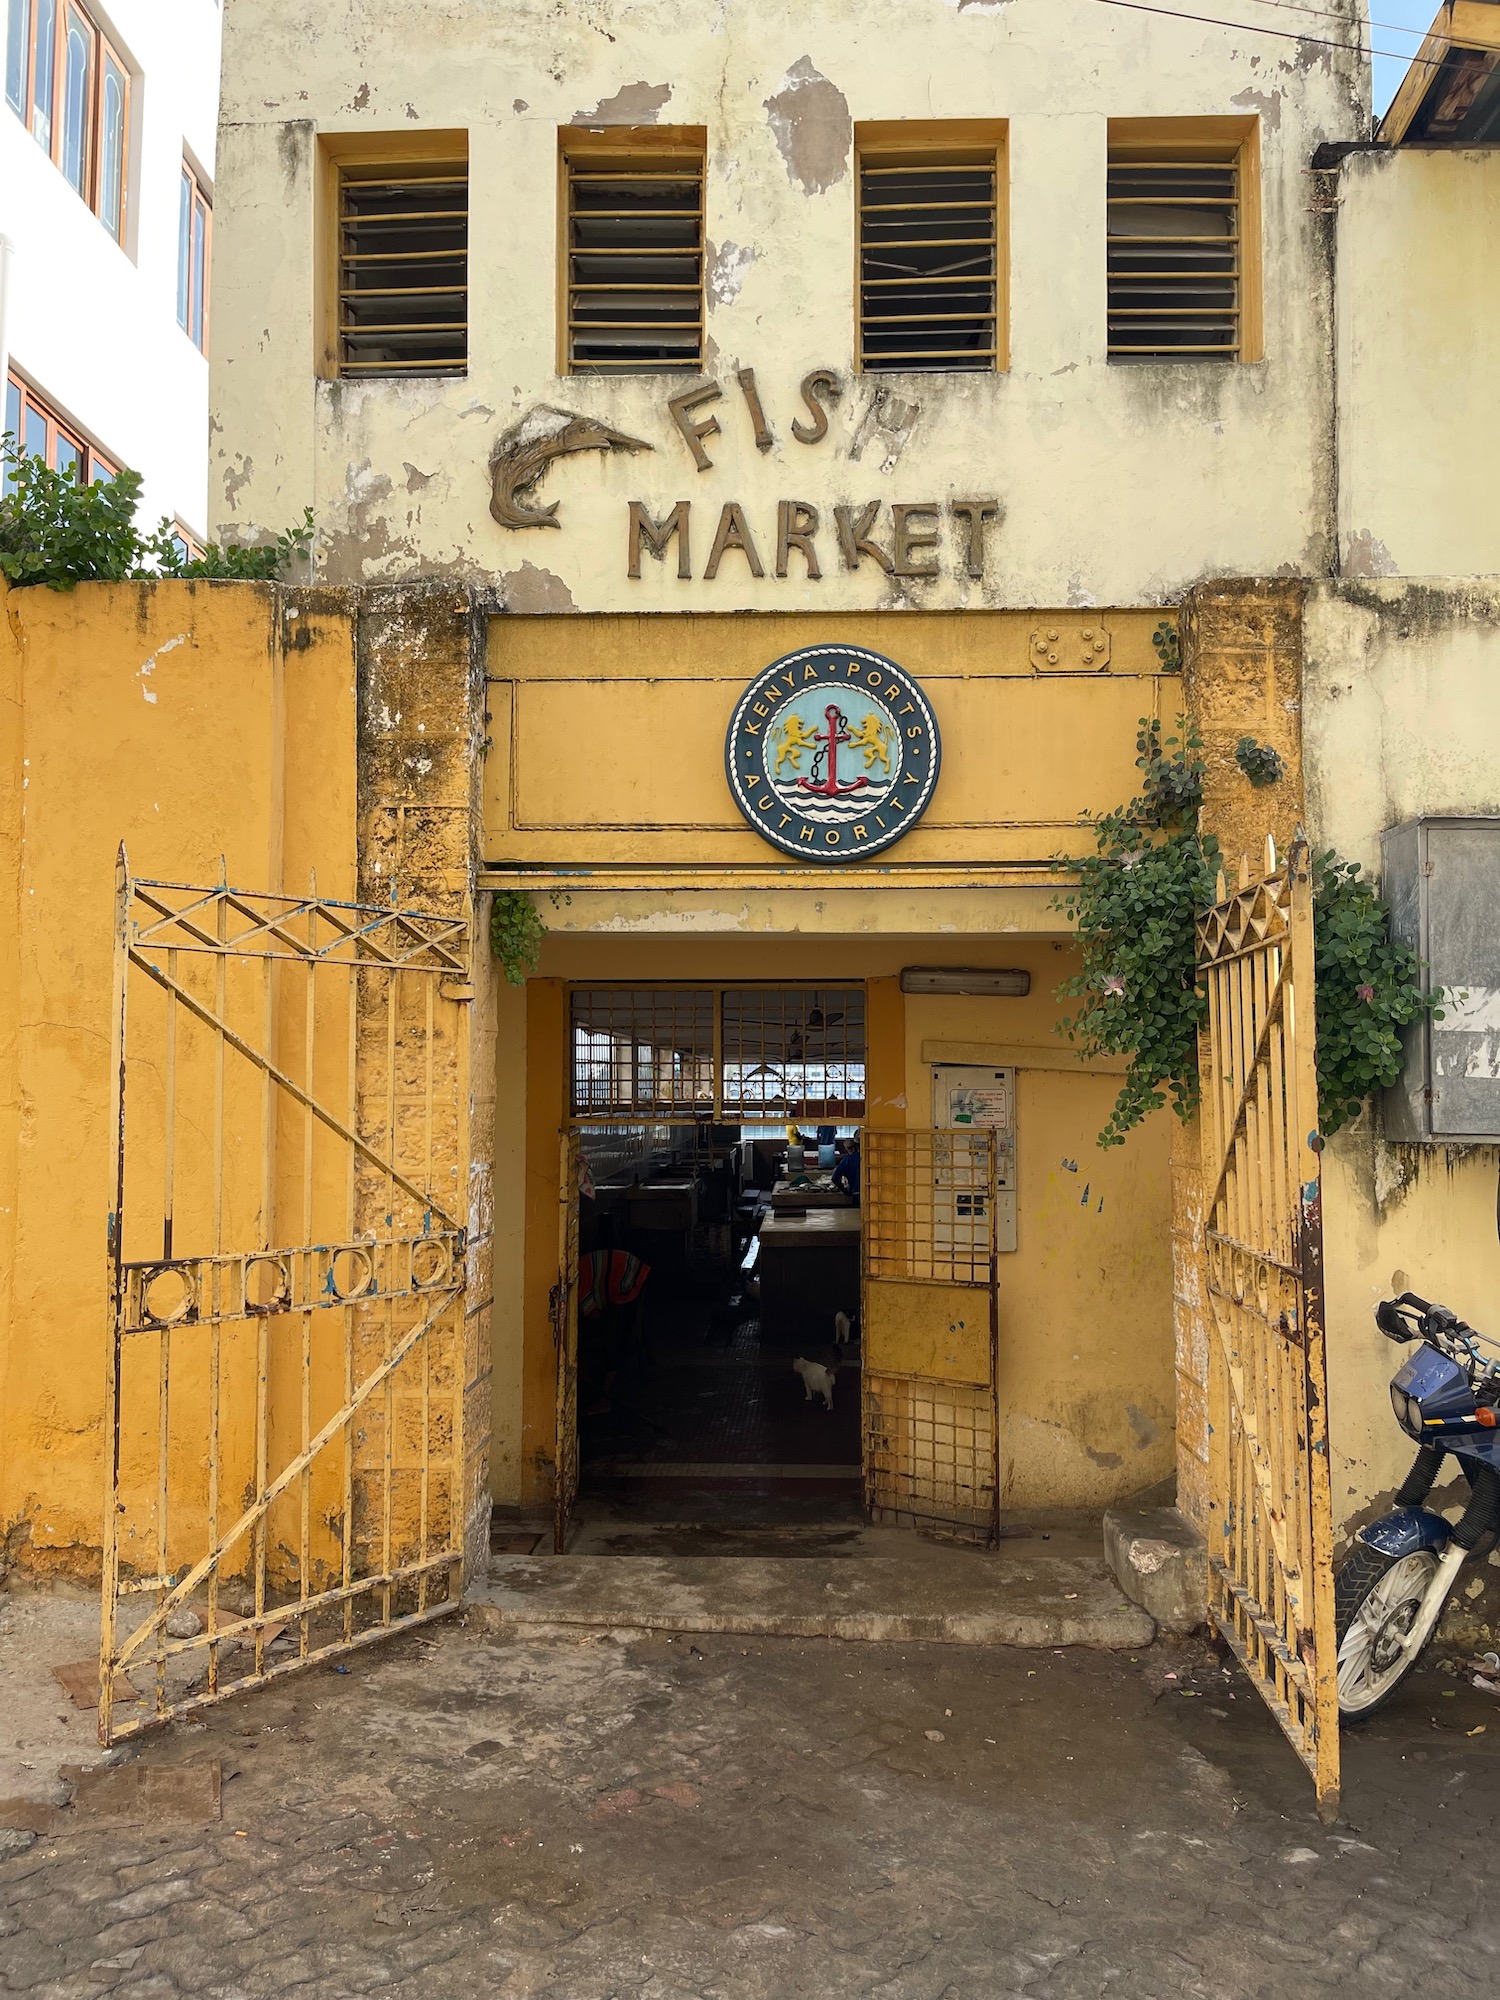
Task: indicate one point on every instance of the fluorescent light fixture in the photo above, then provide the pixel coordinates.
(976, 981)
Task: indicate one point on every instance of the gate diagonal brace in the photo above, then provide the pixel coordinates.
(284, 1478)
(211, 1020)
(448, 938)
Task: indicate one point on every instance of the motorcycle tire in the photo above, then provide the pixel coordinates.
(1365, 1686)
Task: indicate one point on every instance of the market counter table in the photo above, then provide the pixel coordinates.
(809, 1270)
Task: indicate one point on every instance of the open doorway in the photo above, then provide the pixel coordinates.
(718, 1280)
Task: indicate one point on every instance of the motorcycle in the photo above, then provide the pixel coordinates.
(1390, 1591)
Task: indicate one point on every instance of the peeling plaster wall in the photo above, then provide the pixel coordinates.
(1118, 484)
(1402, 717)
(1418, 358)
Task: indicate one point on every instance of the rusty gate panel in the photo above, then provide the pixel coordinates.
(285, 1443)
(1270, 1504)
(931, 1331)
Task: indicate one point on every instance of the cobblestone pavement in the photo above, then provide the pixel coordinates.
(454, 1815)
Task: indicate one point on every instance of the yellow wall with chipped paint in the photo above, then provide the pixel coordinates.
(204, 728)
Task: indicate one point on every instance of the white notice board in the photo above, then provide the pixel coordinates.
(973, 1095)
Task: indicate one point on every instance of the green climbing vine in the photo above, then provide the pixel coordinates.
(516, 932)
(1368, 989)
(1135, 909)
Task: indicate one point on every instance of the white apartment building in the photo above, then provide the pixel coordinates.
(106, 226)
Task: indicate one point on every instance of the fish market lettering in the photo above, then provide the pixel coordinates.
(833, 753)
(903, 540)
(914, 540)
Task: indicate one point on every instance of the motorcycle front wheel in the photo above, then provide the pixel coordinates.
(1376, 1600)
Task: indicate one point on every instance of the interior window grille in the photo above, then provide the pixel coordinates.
(793, 1053)
(403, 290)
(928, 260)
(635, 263)
(643, 1050)
(754, 1054)
(1175, 265)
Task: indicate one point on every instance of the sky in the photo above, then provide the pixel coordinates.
(1393, 52)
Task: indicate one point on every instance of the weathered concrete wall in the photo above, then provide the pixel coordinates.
(1116, 484)
(1402, 718)
(1418, 354)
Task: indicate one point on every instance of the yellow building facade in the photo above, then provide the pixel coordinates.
(642, 592)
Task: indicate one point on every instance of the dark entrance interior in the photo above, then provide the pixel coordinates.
(716, 1254)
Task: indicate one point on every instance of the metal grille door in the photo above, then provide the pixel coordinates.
(1270, 1539)
(931, 1331)
(285, 1438)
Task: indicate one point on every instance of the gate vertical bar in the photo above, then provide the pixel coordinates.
(1308, 1223)
(114, 1251)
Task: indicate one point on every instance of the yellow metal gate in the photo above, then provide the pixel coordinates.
(285, 1430)
(931, 1331)
(1270, 1535)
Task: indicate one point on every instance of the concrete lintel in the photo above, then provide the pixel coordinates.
(898, 910)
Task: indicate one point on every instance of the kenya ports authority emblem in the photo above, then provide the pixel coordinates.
(832, 753)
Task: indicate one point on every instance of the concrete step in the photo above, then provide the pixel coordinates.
(1016, 1595)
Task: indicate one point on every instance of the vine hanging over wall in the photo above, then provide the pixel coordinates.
(1138, 895)
(1135, 909)
(1368, 989)
(516, 933)
(517, 930)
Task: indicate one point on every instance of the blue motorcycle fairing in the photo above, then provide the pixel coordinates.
(1446, 1396)
(1407, 1531)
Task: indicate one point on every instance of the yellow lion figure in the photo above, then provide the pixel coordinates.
(871, 738)
(795, 738)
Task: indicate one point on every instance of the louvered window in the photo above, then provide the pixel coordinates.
(403, 270)
(1176, 268)
(929, 259)
(635, 262)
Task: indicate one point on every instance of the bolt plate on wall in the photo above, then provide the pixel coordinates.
(1070, 649)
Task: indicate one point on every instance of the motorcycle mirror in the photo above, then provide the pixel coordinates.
(1389, 1318)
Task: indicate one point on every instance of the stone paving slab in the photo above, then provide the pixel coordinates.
(1018, 1595)
(730, 1818)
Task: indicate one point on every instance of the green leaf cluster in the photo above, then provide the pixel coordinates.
(516, 932)
(1261, 763)
(1368, 989)
(1168, 644)
(54, 531)
(1134, 911)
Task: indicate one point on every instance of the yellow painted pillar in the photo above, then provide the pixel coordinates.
(885, 1054)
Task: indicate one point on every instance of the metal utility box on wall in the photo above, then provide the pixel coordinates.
(1441, 880)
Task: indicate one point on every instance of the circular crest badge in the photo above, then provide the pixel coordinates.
(833, 753)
